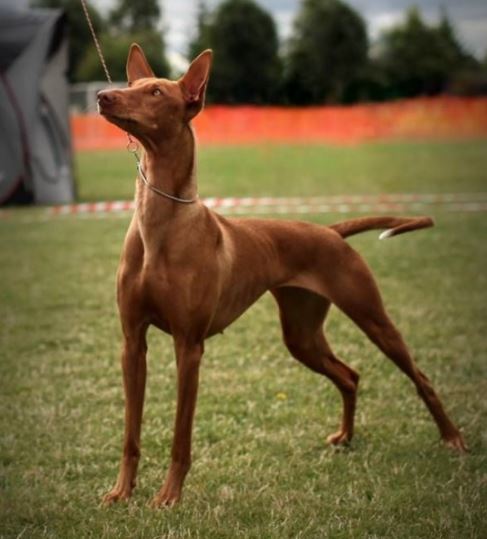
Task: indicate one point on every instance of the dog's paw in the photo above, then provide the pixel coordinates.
(165, 498)
(456, 442)
(115, 495)
(339, 438)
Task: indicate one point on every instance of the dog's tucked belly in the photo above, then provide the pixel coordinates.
(232, 306)
(162, 297)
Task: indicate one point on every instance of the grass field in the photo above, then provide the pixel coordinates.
(310, 170)
(261, 467)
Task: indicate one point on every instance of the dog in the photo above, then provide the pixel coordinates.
(191, 272)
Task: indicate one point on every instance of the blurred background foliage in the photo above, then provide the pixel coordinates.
(328, 58)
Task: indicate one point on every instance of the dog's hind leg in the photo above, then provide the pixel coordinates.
(357, 295)
(302, 313)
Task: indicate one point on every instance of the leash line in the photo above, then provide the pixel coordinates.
(95, 39)
(132, 145)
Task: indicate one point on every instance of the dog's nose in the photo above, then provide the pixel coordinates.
(105, 97)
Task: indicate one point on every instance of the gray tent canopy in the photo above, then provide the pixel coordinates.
(35, 142)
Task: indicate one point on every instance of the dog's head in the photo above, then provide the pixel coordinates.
(152, 108)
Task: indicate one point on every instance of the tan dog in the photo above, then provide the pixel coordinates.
(191, 273)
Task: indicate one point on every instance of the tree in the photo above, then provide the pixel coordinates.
(79, 32)
(135, 15)
(421, 59)
(202, 39)
(452, 50)
(246, 66)
(115, 49)
(130, 22)
(326, 53)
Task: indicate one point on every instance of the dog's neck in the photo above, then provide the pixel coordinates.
(169, 166)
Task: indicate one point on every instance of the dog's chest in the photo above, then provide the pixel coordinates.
(155, 291)
(172, 293)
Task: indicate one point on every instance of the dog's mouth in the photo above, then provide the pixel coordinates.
(118, 119)
(125, 123)
(115, 118)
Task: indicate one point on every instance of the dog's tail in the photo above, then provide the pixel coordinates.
(393, 225)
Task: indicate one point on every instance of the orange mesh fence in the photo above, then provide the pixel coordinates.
(444, 117)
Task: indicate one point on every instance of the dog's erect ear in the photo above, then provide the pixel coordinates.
(193, 83)
(137, 65)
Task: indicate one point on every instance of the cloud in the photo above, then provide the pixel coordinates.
(379, 22)
(473, 35)
(469, 17)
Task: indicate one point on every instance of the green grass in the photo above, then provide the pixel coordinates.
(261, 468)
(312, 170)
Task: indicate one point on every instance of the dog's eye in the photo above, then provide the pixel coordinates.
(156, 91)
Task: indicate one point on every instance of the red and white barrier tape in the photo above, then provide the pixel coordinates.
(92, 207)
(468, 202)
(400, 202)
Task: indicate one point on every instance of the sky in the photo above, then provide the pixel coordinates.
(469, 18)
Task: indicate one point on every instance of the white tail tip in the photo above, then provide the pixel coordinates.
(386, 234)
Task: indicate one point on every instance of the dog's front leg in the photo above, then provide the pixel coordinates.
(188, 357)
(134, 375)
